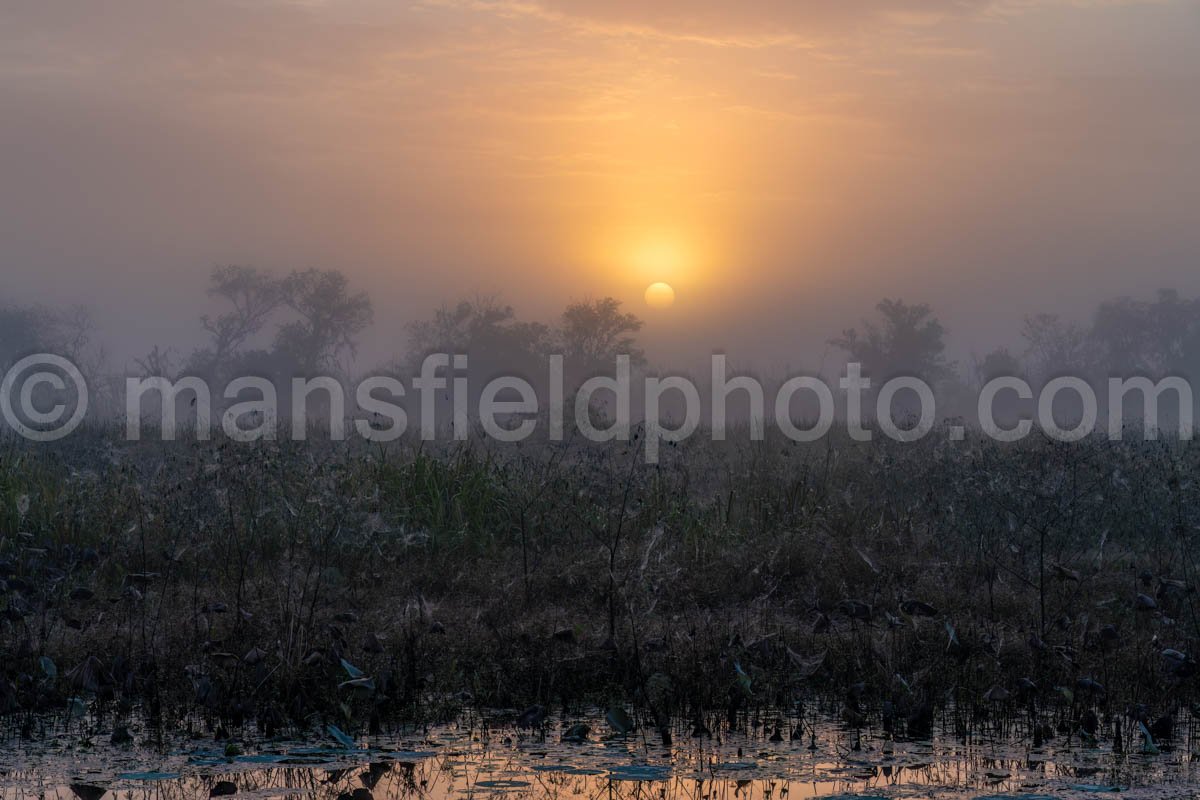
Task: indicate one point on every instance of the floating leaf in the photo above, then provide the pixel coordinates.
(223, 789)
(353, 671)
(566, 769)
(86, 791)
(262, 758)
(148, 776)
(640, 772)
(1092, 787)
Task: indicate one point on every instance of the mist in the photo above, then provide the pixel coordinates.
(599, 398)
(991, 159)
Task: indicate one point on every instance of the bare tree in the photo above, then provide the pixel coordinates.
(158, 363)
(1054, 345)
(253, 294)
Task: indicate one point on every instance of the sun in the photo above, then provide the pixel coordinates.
(660, 295)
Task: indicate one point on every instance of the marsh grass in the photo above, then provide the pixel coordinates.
(750, 584)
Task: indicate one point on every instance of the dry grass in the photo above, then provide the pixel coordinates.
(231, 581)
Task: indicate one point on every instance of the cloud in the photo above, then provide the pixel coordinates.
(757, 19)
(766, 23)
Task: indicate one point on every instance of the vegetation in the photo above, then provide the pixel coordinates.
(293, 585)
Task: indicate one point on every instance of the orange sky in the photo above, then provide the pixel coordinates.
(782, 163)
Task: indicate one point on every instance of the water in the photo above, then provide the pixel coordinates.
(486, 756)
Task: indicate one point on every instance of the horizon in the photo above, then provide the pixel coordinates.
(781, 166)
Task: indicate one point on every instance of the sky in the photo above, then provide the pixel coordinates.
(783, 164)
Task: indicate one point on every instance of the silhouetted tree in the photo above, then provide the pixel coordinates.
(908, 340)
(594, 332)
(1156, 338)
(488, 332)
(254, 295)
(158, 363)
(24, 330)
(70, 333)
(330, 319)
(1053, 347)
(999, 363)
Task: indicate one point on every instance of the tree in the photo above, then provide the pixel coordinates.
(157, 364)
(27, 330)
(593, 333)
(1054, 346)
(330, 319)
(1135, 337)
(486, 331)
(999, 363)
(69, 333)
(909, 340)
(253, 294)
(22, 331)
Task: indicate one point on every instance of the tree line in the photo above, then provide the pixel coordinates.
(311, 322)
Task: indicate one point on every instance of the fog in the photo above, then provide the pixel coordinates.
(783, 165)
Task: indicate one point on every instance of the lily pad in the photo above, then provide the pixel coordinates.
(640, 772)
(1093, 787)
(262, 758)
(566, 769)
(148, 776)
(407, 755)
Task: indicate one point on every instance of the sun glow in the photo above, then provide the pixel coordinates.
(654, 265)
(659, 257)
(660, 295)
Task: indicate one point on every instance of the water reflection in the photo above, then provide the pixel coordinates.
(475, 758)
